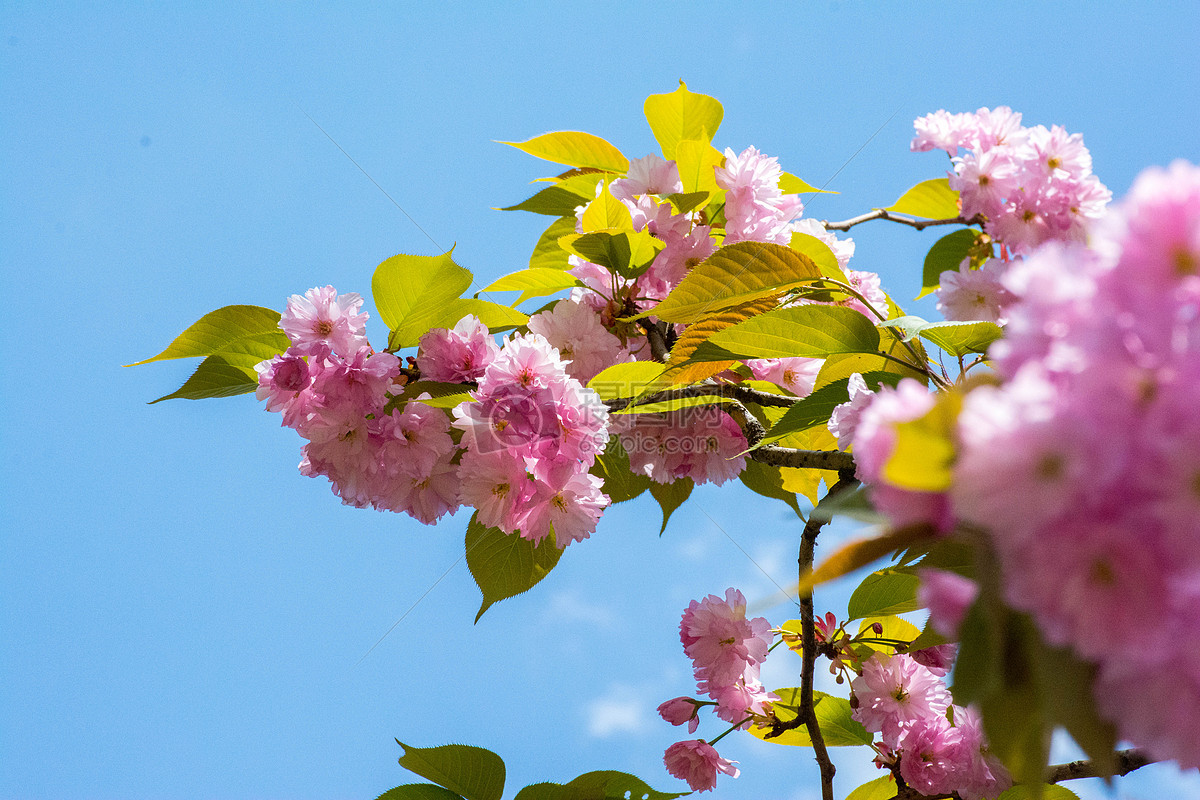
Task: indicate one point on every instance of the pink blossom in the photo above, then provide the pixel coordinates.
(702, 443)
(458, 354)
(797, 374)
(938, 659)
(322, 318)
(496, 484)
(698, 763)
(583, 343)
(570, 509)
(755, 208)
(281, 379)
(720, 640)
(894, 692)
(843, 422)
(867, 284)
(948, 596)
(933, 755)
(981, 775)
(681, 710)
(974, 294)
(648, 175)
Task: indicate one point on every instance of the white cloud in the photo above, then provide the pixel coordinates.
(620, 710)
(571, 609)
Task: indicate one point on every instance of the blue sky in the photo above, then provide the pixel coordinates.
(184, 615)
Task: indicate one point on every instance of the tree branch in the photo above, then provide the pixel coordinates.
(656, 336)
(919, 224)
(732, 391)
(803, 459)
(1127, 762)
(808, 545)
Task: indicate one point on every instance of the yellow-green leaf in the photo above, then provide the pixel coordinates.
(790, 184)
(576, 149)
(813, 331)
(923, 456)
(894, 628)
(682, 115)
(820, 254)
(932, 199)
(625, 380)
(696, 162)
(219, 330)
(547, 253)
(411, 293)
(605, 212)
(838, 729)
(733, 275)
(882, 788)
(534, 282)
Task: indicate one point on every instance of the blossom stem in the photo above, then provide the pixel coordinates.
(731, 730)
(1126, 762)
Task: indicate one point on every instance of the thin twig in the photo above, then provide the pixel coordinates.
(808, 545)
(732, 391)
(658, 342)
(919, 224)
(1127, 762)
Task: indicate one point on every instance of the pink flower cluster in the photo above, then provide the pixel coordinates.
(756, 210)
(1085, 464)
(531, 434)
(702, 443)
(727, 651)
(334, 390)
(1032, 185)
(940, 747)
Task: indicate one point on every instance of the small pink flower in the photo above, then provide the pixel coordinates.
(679, 711)
(322, 318)
(457, 354)
(894, 692)
(947, 595)
(720, 640)
(698, 763)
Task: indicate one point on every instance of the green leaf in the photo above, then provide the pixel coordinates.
(604, 213)
(766, 480)
(932, 199)
(505, 565)
(612, 466)
(882, 788)
(665, 406)
(960, 338)
(625, 380)
(817, 407)
(819, 252)
(687, 201)
(947, 253)
(895, 628)
(627, 253)
(473, 772)
(548, 254)
(814, 331)
(670, 496)
(884, 593)
(790, 184)
(1044, 791)
(697, 162)
(561, 199)
(411, 293)
(733, 275)
(833, 717)
(225, 328)
(218, 376)
(495, 316)
(534, 283)
(604, 785)
(419, 791)
(682, 115)
(575, 149)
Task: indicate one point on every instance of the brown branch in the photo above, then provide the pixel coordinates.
(808, 629)
(731, 391)
(804, 459)
(656, 336)
(919, 224)
(1127, 762)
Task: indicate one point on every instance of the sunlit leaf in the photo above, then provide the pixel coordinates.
(680, 115)
(932, 199)
(605, 212)
(534, 283)
(814, 331)
(697, 162)
(561, 199)
(882, 788)
(895, 629)
(838, 729)
(922, 459)
(548, 254)
(790, 184)
(625, 252)
(472, 772)
(219, 330)
(961, 338)
(625, 380)
(1044, 791)
(819, 252)
(411, 293)
(733, 275)
(575, 149)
